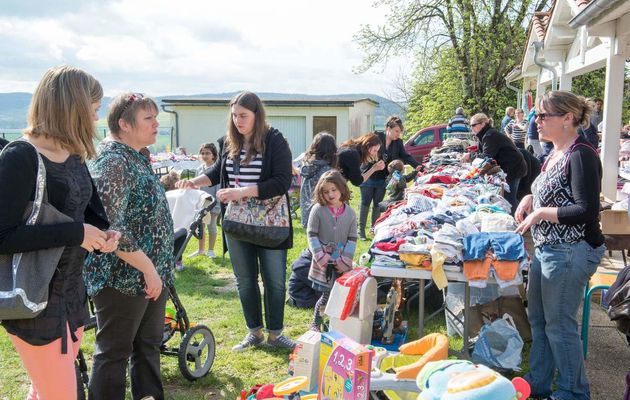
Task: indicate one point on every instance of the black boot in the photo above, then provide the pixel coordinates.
(363, 213)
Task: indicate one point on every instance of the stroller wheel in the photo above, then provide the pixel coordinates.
(196, 352)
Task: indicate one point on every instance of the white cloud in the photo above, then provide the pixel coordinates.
(186, 47)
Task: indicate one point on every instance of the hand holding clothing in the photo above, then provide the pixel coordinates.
(343, 264)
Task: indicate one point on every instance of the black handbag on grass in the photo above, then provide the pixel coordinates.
(25, 277)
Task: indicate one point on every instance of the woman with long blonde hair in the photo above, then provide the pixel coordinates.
(61, 129)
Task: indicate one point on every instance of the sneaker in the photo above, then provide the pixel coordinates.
(250, 340)
(211, 254)
(196, 253)
(179, 267)
(281, 342)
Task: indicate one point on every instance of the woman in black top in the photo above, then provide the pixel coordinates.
(61, 127)
(358, 161)
(264, 171)
(563, 212)
(501, 148)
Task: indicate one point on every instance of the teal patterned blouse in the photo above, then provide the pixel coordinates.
(136, 206)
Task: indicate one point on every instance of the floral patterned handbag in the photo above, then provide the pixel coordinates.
(262, 222)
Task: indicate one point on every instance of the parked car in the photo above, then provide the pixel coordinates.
(421, 142)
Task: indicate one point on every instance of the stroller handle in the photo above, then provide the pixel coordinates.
(196, 227)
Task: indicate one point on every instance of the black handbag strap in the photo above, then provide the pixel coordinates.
(40, 182)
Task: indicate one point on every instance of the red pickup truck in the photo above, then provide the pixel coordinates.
(421, 142)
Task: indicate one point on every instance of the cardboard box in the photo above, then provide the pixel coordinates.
(615, 222)
(344, 368)
(306, 358)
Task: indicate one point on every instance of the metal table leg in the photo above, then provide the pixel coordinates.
(421, 308)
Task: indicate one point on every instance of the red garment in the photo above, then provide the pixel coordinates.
(443, 179)
(389, 210)
(389, 246)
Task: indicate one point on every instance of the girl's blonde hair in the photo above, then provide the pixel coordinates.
(61, 109)
(331, 176)
(235, 141)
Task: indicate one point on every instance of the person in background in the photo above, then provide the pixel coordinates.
(61, 127)
(373, 188)
(396, 183)
(332, 237)
(320, 157)
(532, 136)
(590, 134)
(127, 287)
(517, 129)
(499, 147)
(459, 122)
(563, 213)
(209, 155)
(265, 172)
(358, 160)
(598, 115)
(509, 117)
(3, 142)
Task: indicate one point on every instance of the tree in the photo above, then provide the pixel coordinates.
(486, 38)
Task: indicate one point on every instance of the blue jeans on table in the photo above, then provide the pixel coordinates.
(506, 245)
(557, 278)
(247, 259)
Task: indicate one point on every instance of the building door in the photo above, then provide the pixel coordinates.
(293, 129)
(328, 124)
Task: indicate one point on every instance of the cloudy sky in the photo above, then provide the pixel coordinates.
(185, 47)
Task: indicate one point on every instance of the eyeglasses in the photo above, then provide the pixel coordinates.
(131, 99)
(203, 153)
(544, 116)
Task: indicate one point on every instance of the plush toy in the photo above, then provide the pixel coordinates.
(463, 380)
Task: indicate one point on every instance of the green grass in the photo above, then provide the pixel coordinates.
(206, 289)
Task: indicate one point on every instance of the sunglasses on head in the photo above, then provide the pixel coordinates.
(544, 116)
(131, 99)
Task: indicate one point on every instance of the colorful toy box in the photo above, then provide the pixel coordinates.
(344, 368)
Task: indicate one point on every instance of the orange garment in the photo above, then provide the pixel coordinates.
(478, 270)
(52, 373)
(505, 270)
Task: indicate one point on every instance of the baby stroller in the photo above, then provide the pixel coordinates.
(197, 349)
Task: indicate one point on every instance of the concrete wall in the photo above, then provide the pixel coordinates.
(199, 124)
(361, 118)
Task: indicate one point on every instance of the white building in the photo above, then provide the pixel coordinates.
(575, 37)
(205, 120)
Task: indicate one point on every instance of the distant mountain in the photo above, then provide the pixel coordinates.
(14, 106)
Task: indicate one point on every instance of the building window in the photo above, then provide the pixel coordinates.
(328, 124)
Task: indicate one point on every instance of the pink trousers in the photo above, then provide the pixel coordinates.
(52, 373)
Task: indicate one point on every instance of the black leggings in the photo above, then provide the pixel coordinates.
(373, 195)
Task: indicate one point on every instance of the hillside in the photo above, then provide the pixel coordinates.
(14, 106)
